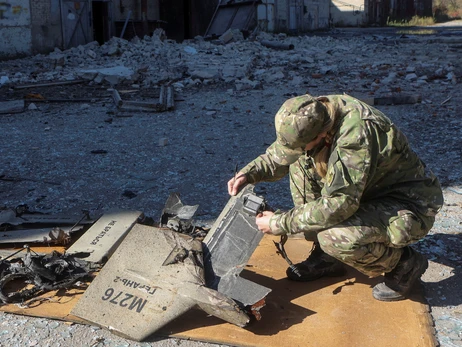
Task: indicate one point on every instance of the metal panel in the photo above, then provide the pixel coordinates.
(76, 22)
(232, 16)
(43, 235)
(101, 240)
(229, 246)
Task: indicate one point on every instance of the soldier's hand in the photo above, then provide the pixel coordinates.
(236, 183)
(263, 220)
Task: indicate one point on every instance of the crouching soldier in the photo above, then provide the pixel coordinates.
(360, 193)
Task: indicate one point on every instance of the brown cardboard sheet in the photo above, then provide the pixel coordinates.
(328, 312)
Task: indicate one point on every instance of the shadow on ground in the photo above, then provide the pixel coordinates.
(444, 249)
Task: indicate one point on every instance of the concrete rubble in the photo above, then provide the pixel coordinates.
(247, 64)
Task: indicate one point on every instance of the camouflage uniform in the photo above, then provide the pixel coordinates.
(377, 196)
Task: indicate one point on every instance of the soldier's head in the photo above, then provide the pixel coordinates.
(301, 123)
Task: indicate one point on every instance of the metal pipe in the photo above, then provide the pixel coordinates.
(277, 45)
(125, 24)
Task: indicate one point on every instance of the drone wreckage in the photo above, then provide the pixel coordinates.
(148, 274)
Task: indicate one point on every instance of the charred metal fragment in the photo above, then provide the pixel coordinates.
(229, 246)
(176, 216)
(181, 249)
(40, 274)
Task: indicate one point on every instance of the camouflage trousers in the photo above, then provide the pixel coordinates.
(371, 240)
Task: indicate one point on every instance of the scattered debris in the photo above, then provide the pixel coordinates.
(15, 106)
(98, 151)
(49, 84)
(50, 236)
(178, 217)
(277, 45)
(446, 101)
(392, 100)
(38, 274)
(166, 102)
(18, 226)
(139, 260)
(4, 177)
(22, 215)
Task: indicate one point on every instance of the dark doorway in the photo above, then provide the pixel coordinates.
(101, 21)
(186, 19)
(173, 13)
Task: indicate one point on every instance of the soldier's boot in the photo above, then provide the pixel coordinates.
(402, 278)
(317, 265)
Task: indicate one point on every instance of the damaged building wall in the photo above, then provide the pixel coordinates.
(201, 14)
(316, 14)
(140, 10)
(15, 31)
(306, 15)
(39, 26)
(406, 9)
(293, 15)
(76, 22)
(45, 25)
(348, 13)
(143, 17)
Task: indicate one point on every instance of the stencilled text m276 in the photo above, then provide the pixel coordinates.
(126, 300)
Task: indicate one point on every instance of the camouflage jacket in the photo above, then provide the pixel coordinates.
(370, 159)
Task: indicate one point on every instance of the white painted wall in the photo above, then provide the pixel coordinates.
(15, 28)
